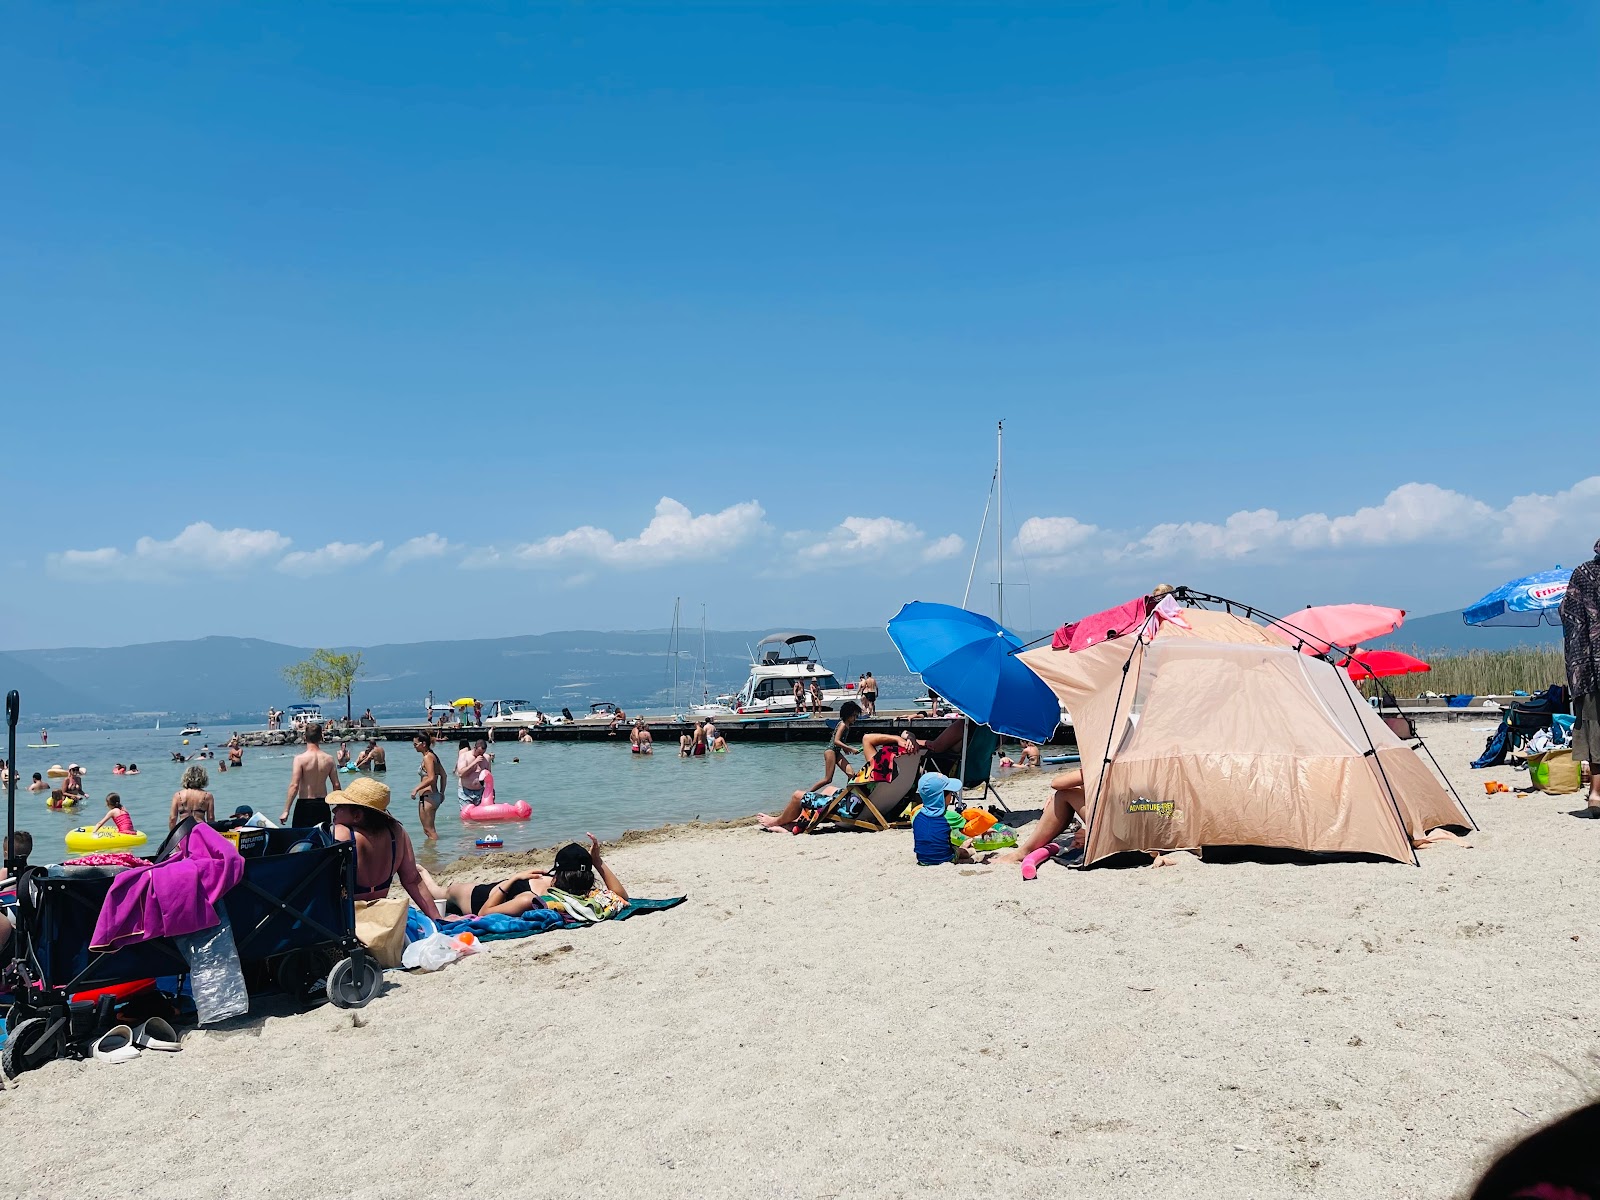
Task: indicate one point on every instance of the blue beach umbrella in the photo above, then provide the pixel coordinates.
(1523, 602)
(970, 660)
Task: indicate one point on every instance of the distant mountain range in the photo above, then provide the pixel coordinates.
(237, 678)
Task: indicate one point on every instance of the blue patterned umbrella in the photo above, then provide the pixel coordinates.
(971, 661)
(1523, 602)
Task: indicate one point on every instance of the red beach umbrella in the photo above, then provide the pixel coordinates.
(1315, 630)
(1371, 664)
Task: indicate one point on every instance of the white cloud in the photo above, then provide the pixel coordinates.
(861, 539)
(674, 534)
(1413, 514)
(417, 549)
(1046, 536)
(335, 556)
(199, 547)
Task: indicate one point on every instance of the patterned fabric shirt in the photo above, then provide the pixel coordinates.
(1580, 615)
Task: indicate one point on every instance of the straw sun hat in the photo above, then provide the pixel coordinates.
(364, 793)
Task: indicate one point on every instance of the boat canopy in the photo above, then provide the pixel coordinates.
(294, 708)
(767, 651)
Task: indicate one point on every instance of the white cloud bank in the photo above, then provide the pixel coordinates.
(200, 547)
(335, 556)
(1413, 514)
(872, 539)
(673, 535)
(419, 549)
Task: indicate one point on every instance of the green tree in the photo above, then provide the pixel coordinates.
(325, 674)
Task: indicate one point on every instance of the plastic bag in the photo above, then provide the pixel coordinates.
(215, 979)
(434, 952)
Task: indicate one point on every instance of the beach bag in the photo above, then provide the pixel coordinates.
(1555, 771)
(381, 928)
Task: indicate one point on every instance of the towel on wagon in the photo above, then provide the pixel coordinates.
(173, 897)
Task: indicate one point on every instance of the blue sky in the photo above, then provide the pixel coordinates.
(575, 308)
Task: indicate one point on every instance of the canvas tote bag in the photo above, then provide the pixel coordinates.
(1555, 771)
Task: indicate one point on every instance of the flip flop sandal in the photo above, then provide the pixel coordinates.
(115, 1045)
(156, 1034)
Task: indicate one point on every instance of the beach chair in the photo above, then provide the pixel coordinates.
(982, 742)
(873, 807)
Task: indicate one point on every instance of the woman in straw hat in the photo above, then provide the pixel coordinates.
(383, 848)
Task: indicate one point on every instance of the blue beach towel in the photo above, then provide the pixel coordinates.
(499, 927)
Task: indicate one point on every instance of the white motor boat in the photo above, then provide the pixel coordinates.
(779, 660)
(515, 713)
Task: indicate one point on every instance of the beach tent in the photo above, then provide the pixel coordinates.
(1215, 732)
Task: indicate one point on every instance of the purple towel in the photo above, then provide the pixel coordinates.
(174, 897)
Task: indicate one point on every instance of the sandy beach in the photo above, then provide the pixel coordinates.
(824, 1018)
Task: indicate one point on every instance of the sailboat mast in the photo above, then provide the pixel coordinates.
(999, 524)
(705, 667)
(677, 605)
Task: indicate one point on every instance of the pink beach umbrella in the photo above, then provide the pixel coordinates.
(1373, 664)
(1316, 630)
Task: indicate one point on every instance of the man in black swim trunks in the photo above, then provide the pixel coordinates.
(313, 777)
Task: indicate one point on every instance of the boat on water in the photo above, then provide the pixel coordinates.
(779, 660)
(513, 712)
(191, 730)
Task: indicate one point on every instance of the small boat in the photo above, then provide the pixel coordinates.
(191, 731)
(516, 713)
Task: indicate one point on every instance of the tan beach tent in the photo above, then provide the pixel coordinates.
(1222, 735)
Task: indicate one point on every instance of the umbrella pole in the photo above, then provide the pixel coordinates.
(13, 708)
(965, 725)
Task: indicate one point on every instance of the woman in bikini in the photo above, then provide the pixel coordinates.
(510, 897)
(192, 799)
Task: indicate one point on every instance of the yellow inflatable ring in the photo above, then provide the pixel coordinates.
(83, 840)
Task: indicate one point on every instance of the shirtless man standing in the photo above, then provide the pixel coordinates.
(313, 777)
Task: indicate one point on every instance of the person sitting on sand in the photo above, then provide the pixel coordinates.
(38, 784)
(192, 799)
(930, 831)
(510, 897)
(1066, 801)
(383, 847)
(881, 750)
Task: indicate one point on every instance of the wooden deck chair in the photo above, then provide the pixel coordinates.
(879, 805)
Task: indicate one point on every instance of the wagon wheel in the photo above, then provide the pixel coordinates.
(354, 981)
(27, 1048)
(300, 974)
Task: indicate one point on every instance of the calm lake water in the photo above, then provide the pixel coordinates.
(574, 788)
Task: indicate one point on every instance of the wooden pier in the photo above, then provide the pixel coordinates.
(665, 733)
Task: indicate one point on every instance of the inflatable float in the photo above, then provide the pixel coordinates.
(55, 805)
(520, 811)
(83, 840)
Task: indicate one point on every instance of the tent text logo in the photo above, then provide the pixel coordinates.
(1145, 805)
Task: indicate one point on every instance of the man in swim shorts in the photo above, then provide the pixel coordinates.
(313, 777)
(472, 760)
(429, 792)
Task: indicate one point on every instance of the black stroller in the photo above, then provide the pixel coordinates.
(293, 924)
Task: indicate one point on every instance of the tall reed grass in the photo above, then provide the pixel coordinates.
(1480, 673)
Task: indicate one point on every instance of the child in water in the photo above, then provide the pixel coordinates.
(117, 815)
